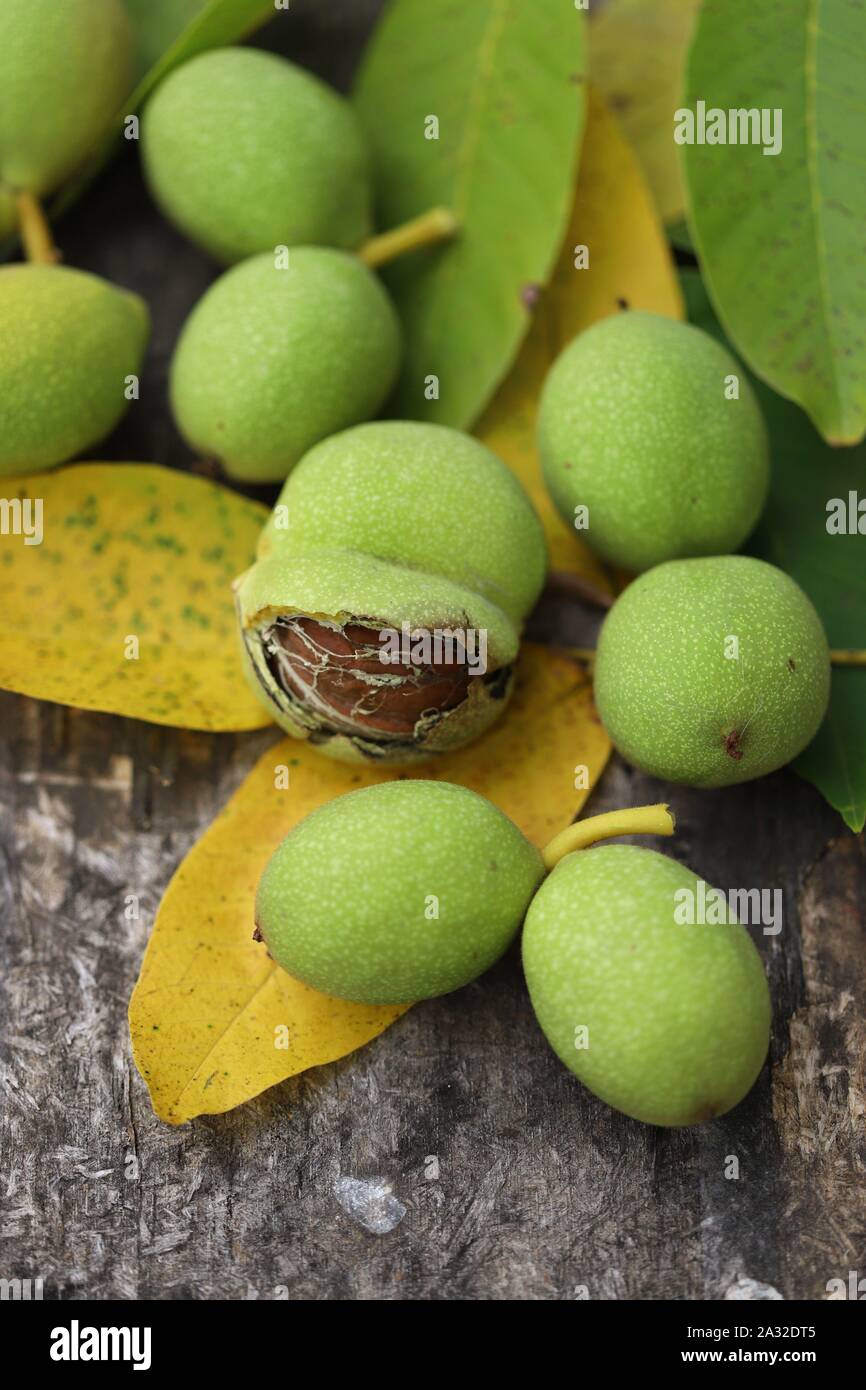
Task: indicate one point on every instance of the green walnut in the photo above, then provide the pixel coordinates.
(383, 618)
(662, 1015)
(643, 450)
(420, 495)
(64, 72)
(68, 344)
(446, 882)
(712, 671)
(277, 355)
(245, 152)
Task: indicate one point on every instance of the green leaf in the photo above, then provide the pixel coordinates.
(807, 475)
(157, 24)
(782, 238)
(505, 81)
(835, 761)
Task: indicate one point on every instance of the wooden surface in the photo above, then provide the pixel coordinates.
(516, 1183)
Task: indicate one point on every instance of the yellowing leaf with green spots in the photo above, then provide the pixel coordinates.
(629, 265)
(213, 1020)
(125, 604)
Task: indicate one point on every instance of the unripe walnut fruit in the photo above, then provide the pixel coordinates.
(279, 353)
(65, 70)
(652, 441)
(64, 368)
(660, 1014)
(447, 880)
(712, 671)
(245, 151)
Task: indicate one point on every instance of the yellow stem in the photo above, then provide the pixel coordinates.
(630, 820)
(35, 232)
(848, 657)
(436, 225)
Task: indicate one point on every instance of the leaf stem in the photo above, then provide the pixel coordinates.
(439, 224)
(629, 820)
(35, 232)
(848, 656)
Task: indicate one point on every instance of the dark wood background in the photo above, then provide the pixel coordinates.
(542, 1192)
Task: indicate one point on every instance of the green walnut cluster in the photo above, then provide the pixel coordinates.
(391, 528)
(382, 617)
(665, 1019)
(64, 72)
(264, 166)
(245, 152)
(644, 447)
(446, 885)
(257, 161)
(712, 671)
(279, 353)
(69, 343)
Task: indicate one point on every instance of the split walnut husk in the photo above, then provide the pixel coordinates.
(373, 661)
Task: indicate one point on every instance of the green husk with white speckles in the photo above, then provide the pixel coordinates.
(713, 671)
(245, 151)
(419, 495)
(397, 892)
(664, 1018)
(637, 425)
(68, 342)
(64, 72)
(274, 357)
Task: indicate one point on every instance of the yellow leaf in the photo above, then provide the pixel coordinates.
(126, 604)
(637, 51)
(213, 1021)
(629, 265)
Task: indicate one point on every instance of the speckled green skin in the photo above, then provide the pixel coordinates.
(270, 361)
(421, 495)
(337, 586)
(343, 904)
(634, 425)
(245, 151)
(678, 1015)
(65, 69)
(669, 697)
(68, 340)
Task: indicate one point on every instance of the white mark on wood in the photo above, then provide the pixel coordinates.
(371, 1203)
